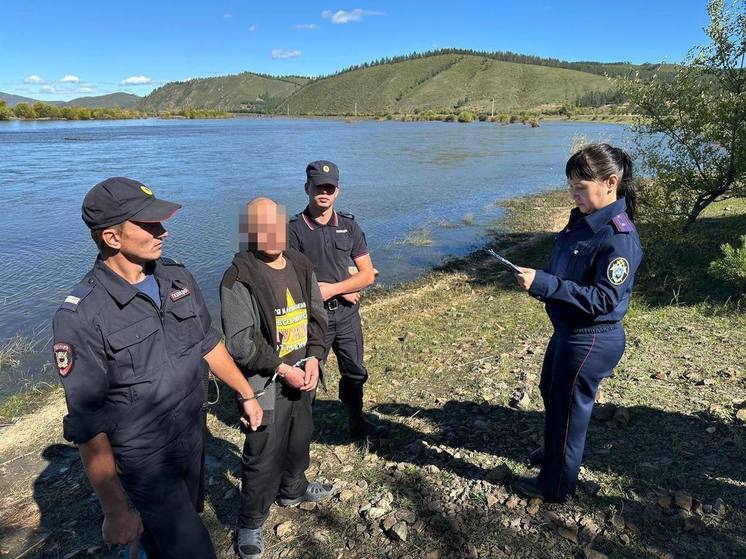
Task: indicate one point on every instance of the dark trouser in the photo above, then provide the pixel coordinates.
(344, 335)
(164, 488)
(275, 458)
(574, 365)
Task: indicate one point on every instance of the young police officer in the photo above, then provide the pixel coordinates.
(333, 241)
(274, 323)
(132, 342)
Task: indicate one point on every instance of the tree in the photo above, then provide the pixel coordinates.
(700, 116)
(22, 110)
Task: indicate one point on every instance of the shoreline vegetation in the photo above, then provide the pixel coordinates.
(44, 111)
(454, 359)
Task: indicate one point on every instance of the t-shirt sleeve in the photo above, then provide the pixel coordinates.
(79, 355)
(359, 242)
(293, 238)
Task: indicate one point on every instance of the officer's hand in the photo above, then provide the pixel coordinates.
(353, 298)
(122, 527)
(327, 290)
(311, 377)
(252, 414)
(295, 377)
(526, 277)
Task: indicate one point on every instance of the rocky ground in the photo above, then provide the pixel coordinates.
(454, 361)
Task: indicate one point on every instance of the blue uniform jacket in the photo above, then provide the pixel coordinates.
(129, 369)
(592, 269)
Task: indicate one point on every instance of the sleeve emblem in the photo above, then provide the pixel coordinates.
(63, 358)
(618, 271)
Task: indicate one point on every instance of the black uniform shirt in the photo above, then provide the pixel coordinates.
(129, 369)
(331, 248)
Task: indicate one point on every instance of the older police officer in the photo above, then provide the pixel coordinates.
(586, 289)
(132, 342)
(333, 241)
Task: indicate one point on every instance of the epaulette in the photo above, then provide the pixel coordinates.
(77, 294)
(346, 214)
(170, 262)
(294, 218)
(622, 223)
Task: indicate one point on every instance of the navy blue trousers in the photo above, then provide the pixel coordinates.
(344, 335)
(165, 489)
(574, 365)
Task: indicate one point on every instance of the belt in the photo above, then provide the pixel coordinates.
(331, 304)
(593, 329)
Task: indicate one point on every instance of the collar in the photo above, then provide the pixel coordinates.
(599, 218)
(313, 224)
(120, 289)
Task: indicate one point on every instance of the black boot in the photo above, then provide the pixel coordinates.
(361, 426)
(536, 458)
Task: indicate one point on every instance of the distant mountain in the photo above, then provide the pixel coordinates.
(12, 100)
(119, 99)
(246, 91)
(447, 80)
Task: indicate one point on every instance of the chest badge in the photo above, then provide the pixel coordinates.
(180, 294)
(618, 271)
(63, 358)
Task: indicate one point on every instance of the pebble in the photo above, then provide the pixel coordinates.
(400, 531)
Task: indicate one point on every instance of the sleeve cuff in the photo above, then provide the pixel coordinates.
(316, 351)
(211, 340)
(541, 284)
(83, 428)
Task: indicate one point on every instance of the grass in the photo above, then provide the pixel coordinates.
(445, 355)
(422, 236)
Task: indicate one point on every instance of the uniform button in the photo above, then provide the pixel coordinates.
(575, 251)
(137, 336)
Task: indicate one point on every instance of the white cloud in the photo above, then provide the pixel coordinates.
(33, 78)
(282, 53)
(308, 26)
(70, 79)
(136, 80)
(85, 90)
(343, 16)
(227, 15)
(252, 28)
(47, 89)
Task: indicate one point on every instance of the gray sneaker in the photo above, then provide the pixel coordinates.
(250, 543)
(315, 492)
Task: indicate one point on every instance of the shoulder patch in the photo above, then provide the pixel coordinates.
(171, 262)
(77, 294)
(64, 358)
(348, 215)
(622, 223)
(618, 270)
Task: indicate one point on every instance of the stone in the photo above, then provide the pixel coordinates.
(284, 530)
(533, 507)
(406, 515)
(362, 484)
(345, 495)
(591, 488)
(694, 525)
(660, 375)
(492, 501)
(622, 416)
(520, 401)
(308, 505)
(399, 531)
(570, 533)
(683, 500)
(718, 507)
(590, 531)
(512, 502)
(664, 502)
(741, 415)
(433, 554)
(498, 473)
(471, 550)
(389, 522)
(589, 553)
(375, 513)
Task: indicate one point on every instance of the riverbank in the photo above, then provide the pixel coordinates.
(454, 360)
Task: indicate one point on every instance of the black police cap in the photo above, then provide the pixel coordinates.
(118, 199)
(322, 172)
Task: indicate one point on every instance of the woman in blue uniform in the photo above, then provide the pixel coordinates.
(586, 289)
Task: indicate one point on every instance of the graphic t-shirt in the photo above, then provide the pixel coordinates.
(291, 313)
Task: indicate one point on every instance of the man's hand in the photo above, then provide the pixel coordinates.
(353, 298)
(311, 377)
(327, 290)
(526, 277)
(294, 376)
(252, 414)
(122, 526)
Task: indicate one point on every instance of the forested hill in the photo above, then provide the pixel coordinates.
(441, 81)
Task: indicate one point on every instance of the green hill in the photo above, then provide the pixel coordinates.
(443, 83)
(12, 100)
(241, 92)
(119, 99)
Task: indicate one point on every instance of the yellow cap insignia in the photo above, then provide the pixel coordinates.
(325, 168)
(146, 190)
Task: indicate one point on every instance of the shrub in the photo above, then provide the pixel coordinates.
(731, 267)
(466, 116)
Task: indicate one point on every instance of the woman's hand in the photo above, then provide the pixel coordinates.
(526, 277)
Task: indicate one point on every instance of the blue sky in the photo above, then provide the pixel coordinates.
(67, 48)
